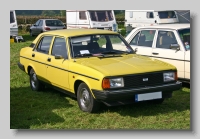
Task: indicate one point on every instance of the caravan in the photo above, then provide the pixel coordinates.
(137, 18)
(13, 24)
(96, 19)
(14, 28)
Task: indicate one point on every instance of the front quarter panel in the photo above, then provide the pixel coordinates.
(80, 73)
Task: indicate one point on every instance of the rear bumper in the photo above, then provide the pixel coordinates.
(21, 66)
(126, 94)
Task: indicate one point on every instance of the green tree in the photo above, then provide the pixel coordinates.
(63, 13)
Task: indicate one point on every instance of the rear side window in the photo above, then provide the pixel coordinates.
(12, 18)
(44, 44)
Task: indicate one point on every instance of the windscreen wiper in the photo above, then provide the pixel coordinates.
(83, 55)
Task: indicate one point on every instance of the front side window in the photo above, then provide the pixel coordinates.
(143, 38)
(99, 45)
(165, 39)
(44, 44)
(59, 47)
(82, 15)
(12, 19)
(166, 14)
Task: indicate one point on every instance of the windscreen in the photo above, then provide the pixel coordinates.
(185, 37)
(54, 23)
(98, 45)
(166, 14)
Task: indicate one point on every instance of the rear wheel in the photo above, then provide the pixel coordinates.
(35, 84)
(31, 33)
(85, 99)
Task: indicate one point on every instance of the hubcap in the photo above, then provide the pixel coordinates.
(34, 80)
(84, 98)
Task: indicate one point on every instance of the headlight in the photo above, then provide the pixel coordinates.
(169, 76)
(112, 83)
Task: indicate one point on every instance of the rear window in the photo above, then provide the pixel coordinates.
(54, 23)
(167, 14)
(12, 19)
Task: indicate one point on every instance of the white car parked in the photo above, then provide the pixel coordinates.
(167, 42)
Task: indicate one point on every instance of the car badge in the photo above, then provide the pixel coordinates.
(145, 79)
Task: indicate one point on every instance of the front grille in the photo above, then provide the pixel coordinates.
(137, 80)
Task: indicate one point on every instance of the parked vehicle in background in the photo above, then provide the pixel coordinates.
(166, 42)
(14, 27)
(137, 18)
(96, 19)
(13, 24)
(75, 62)
(43, 25)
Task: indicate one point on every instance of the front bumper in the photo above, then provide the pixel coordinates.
(21, 66)
(127, 94)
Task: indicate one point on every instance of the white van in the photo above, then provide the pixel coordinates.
(98, 19)
(137, 18)
(13, 24)
(14, 27)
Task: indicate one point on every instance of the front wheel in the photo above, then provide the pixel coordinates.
(85, 99)
(35, 84)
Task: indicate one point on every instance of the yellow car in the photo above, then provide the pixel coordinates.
(96, 66)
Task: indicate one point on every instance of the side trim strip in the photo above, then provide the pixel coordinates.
(61, 68)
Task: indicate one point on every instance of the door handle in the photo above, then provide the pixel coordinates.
(49, 59)
(155, 53)
(33, 55)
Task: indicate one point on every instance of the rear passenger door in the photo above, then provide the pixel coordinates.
(40, 55)
(143, 42)
(57, 64)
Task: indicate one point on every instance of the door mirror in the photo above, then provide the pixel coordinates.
(58, 57)
(136, 49)
(175, 46)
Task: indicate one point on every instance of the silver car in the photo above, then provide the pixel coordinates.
(43, 25)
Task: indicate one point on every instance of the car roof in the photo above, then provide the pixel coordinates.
(77, 32)
(169, 26)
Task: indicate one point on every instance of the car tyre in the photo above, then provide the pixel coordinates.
(31, 33)
(85, 99)
(35, 84)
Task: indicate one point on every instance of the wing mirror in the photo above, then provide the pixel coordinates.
(136, 49)
(58, 57)
(175, 47)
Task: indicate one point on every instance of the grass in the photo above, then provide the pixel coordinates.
(53, 110)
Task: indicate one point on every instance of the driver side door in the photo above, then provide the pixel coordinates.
(57, 64)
